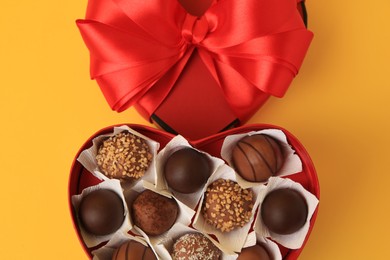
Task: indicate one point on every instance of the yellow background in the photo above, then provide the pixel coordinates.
(338, 107)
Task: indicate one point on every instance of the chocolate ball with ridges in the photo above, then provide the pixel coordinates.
(133, 250)
(257, 157)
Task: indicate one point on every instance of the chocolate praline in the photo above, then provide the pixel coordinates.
(133, 250)
(256, 252)
(101, 212)
(195, 246)
(154, 213)
(257, 157)
(187, 170)
(124, 156)
(227, 206)
(284, 211)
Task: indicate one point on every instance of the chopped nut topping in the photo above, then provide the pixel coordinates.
(124, 156)
(227, 205)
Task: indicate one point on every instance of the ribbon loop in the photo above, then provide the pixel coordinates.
(194, 29)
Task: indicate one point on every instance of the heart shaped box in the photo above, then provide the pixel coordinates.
(80, 178)
(218, 81)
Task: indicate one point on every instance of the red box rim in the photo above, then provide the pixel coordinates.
(308, 167)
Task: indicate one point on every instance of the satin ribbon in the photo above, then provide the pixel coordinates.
(138, 48)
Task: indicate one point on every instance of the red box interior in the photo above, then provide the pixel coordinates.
(81, 178)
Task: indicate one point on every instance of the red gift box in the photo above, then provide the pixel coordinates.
(195, 75)
(195, 72)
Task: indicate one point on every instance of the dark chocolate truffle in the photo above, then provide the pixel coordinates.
(256, 252)
(258, 157)
(101, 212)
(195, 246)
(226, 205)
(187, 170)
(154, 213)
(284, 211)
(124, 156)
(133, 250)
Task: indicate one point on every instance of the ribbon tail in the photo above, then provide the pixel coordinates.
(161, 89)
(271, 62)
(122, 89)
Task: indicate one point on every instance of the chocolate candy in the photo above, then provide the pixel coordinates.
(101, 212)
(124, 156)
(226, 205)
(256, 252)
(258, 157)
(284, 211)
(195, 246)
(187, 170)
(154, 213)
(133, 250)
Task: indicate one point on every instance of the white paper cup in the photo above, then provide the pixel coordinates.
(234, 240)
(88, 157)
(92, 240)
(292, 163)
(296, 239)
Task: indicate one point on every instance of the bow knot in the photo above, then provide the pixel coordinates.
(194, 29)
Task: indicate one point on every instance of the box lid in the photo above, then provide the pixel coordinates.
(195, 75)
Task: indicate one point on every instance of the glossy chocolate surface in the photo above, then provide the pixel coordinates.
(187, 170)
(101, 212)
(284, 211)
(258, 157)
(133, 250)
(154, 213)
(256, 252)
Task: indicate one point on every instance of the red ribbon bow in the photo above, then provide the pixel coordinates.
(139, 48)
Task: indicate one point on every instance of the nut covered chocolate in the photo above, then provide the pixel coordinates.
(257, 157)
(101, 212)
(124, 156)
(227, 206)
(284, 211)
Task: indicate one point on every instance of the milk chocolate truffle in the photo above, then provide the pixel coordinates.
(195, 246)
(284, 211)
(101, 212)
(258, 157)
(256, 252)
(133, 250)
(124, 156)
(187, 170)
(154, 213)
(226, 205)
